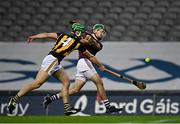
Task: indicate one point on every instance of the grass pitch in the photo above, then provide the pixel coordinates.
(91, 119)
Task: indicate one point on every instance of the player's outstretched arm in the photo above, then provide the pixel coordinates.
(94, 60)
(41, 36)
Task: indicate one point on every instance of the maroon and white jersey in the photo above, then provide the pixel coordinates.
(91, 48)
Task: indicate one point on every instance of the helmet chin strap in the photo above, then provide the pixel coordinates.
(77, 33)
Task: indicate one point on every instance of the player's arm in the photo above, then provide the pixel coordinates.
(53, 36)
(88, 40)
(94, 60)
(96, 45)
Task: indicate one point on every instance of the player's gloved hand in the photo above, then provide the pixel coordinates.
(102, 68)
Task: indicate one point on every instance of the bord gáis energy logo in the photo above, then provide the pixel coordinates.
(146, 106)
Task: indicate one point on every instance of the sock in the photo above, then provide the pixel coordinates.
(55, 97)
(106, 103)
(67, 106)
(16, 98)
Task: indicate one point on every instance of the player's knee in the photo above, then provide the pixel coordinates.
(75, 91)
(65, 80)
(66, 84)
(99, 82)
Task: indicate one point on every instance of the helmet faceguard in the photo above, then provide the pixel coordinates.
(98, 27)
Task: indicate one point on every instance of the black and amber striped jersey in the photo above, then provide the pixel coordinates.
(65, 44)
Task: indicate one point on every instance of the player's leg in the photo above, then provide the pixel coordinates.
(62, 76)
(46, 67)
(95, 78)
(86, 69)
(72, 90)
(41, 77)
(101, 91)
(79, 83)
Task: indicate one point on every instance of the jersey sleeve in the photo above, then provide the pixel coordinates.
(81, 48)
(101, 45)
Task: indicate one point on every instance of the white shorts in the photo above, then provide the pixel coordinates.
(50, 64)
(85, 69)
